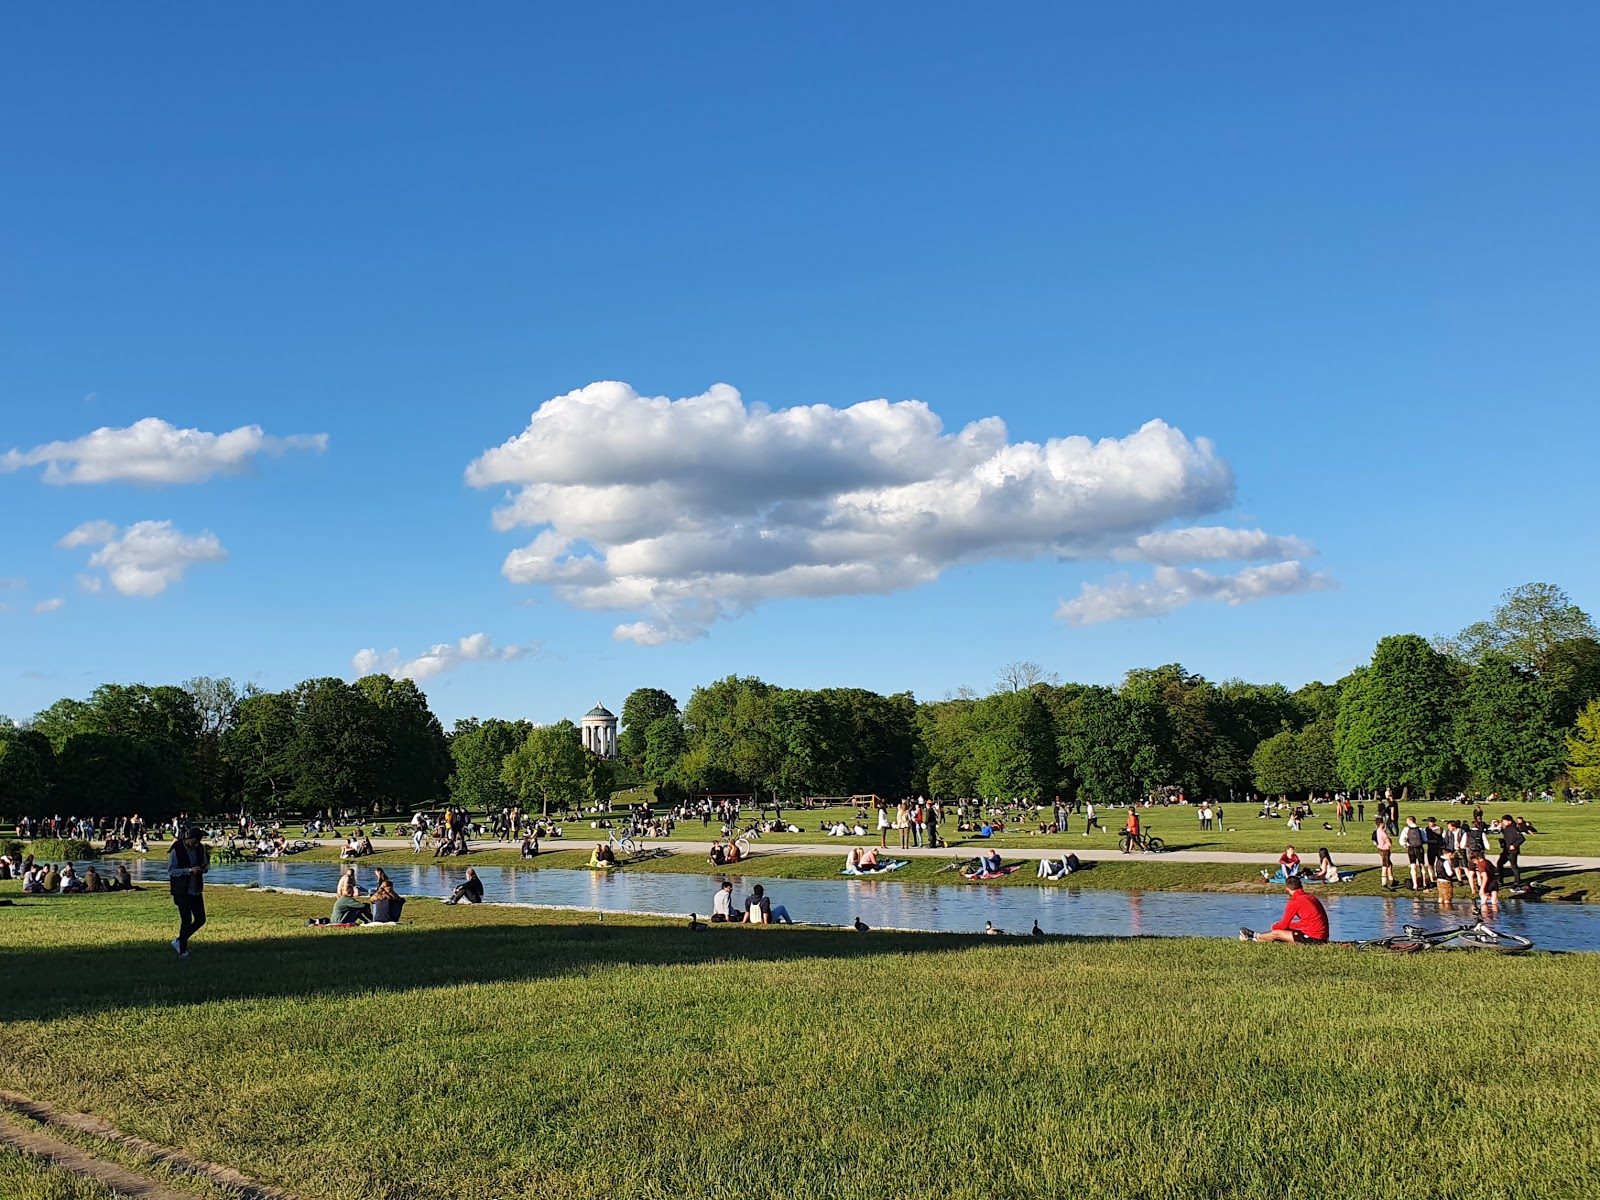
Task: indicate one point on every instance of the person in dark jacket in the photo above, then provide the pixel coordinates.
(187, 864)
(470, 889)
(1511, 839)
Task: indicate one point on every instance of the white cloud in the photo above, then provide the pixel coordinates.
(153, 452)
(1210, 543)
(686, 511)
(51, 605)
(446, 656)
(147, 557)
(13, 584)
(89, 583)
(1172, 588)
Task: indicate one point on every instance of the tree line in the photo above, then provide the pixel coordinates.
(1511, 702)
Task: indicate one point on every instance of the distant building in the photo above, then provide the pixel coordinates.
(599, 728)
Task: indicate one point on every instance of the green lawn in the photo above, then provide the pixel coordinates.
(512, 1053)
(24, 1177)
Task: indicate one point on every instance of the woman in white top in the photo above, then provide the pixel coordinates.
(883, 825)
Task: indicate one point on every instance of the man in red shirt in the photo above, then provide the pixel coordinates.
(1304, 919)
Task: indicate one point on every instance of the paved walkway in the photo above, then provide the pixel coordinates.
(766, 848)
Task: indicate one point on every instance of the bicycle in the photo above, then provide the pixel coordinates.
(1140, 841)
(1475, 935)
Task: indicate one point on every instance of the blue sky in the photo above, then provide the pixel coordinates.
(1355, 251)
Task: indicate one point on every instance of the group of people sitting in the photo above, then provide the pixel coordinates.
(357, 845)
(49, 879)
(840, 829)
(1290, 867)
(352, 907)
(862, 860)
(758, 908)
(724, 856)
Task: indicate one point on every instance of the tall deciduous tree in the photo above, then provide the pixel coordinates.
(1526, 626)
(1504, 730)
(478, 752)
(550, 765)
(259, 749)
(1397, 718)
(27, 763)
(643, 708)
(1583, 749)
(336, 753)
(414, 757)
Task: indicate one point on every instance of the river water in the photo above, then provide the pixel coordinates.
(956, 908)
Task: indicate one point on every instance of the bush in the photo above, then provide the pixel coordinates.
(62, 850)
(11, 848)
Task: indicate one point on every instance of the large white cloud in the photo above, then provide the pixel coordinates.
(1172, 588)
(446, 656)
(147, 557)
(685, 511)
(152, 451)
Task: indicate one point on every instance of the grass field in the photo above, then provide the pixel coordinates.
(511, 1053)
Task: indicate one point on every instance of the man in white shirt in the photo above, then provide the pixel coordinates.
(722, 903)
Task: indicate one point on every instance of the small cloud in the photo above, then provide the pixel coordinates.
(1211, 543)
(89, 583)
(446, 656)
(152, 451)
(1171, 588)
(54, 604)
(13, 584)
(146, 558)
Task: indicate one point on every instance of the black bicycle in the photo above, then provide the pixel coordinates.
(1140, 841)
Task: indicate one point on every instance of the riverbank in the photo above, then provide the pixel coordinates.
(507, 1052)
(1558, 880)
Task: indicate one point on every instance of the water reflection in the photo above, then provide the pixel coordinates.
(952, 908)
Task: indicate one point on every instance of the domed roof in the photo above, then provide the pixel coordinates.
(599, 710)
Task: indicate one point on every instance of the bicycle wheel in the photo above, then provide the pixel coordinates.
(1155, 845)
(1125, 843)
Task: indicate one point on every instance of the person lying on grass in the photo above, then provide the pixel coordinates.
(1304, 919)
(988, 864)
(1049, 869)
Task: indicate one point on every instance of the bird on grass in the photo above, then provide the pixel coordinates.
(695, 923)
(1037, 932)
(859, 925)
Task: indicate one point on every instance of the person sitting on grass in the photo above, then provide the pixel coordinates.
(603, 856)
(734, 852)
(722, 903)
(1304, 919)
(1289, 862)
(1326, 871)
(69, 880)
(469, 889)
(530, 846)
(759, 909)
(124, 880)
(92, 881)
(386, 901)
(988, 863)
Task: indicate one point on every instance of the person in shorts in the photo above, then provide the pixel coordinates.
(1385, 845)
(1304, 921)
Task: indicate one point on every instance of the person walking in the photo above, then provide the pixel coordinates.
(1511, 839)
(187, 863)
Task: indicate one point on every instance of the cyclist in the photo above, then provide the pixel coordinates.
(1304, 919)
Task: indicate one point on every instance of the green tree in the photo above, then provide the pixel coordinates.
(1276, 765)
(1526, 626)
(27, 763)
(643, 708)
(1319, 761)
(336, 755)
(1583, 749)
(551, 764)
(1504, 729)
(258, 749)
(1397, 717)
(1013, 749)
(665, 745)
(414, 756)
(216, 705)
(478, 752)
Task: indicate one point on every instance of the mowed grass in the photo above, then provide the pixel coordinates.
(512, 1053)
(24, 1177)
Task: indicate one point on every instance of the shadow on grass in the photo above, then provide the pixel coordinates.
(45, 983)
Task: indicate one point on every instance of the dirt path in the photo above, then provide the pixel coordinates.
(121, 1179)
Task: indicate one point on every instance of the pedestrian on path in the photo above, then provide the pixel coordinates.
(187, 864)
